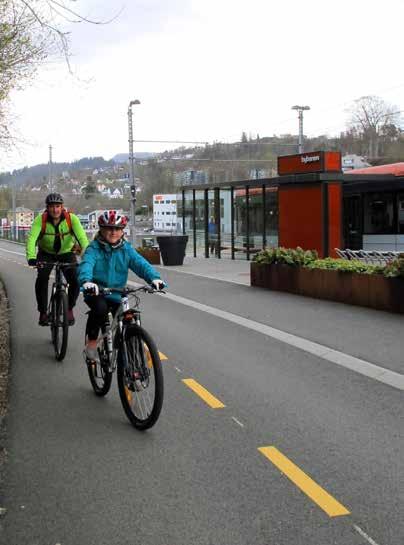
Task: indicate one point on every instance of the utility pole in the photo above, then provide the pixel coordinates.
(14, 211)
(300, 110)
(132, 174)
(50, 170)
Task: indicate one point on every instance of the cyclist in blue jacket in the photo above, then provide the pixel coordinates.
(106, 263)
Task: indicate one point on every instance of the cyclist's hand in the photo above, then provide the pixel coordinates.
(91, 288)
(32, 262)
(157, 284)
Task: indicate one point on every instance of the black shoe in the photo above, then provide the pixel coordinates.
(70, 317)
(43, 319)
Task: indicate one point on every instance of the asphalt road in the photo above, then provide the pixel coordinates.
(79, 474)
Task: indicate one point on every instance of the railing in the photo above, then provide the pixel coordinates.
(21, 235)
(9, 234)
(373, 257)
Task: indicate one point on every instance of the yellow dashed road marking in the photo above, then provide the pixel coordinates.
(324, 500)
(162, 356)
(208, 398)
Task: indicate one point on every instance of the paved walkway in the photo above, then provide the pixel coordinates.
(230, 270)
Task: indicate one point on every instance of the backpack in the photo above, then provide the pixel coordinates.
(68, 219)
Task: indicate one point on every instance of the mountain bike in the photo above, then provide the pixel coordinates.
(57, 308)
(123, 345)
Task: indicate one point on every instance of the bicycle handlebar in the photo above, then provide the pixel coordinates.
(123, 291)
(40, 264)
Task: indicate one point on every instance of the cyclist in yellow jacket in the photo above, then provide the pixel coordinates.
(56, 232)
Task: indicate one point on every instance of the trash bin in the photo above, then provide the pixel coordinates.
(172, 248)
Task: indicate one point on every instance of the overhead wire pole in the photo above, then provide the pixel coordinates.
(132, 174)
(14, 210)
(300, 110)
(50, 170)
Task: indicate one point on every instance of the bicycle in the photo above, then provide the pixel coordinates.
(57, 308)
(123, 345)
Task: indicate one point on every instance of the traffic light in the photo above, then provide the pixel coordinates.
(133, 192)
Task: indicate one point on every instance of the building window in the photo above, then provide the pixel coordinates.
(378, 214)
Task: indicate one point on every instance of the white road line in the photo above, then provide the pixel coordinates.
(238, 422)
(364, 535)
(11, 252)
(363, 367)
(176, 368)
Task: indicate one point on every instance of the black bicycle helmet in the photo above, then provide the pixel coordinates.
(54, 198)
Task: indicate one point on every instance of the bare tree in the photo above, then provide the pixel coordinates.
(31, 31)
(372, 119)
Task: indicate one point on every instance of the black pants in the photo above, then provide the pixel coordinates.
(213, 244)
(41, 284)
(99, 307)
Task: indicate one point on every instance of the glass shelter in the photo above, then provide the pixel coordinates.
(231, 220)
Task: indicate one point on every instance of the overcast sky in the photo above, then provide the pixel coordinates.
(206, 70)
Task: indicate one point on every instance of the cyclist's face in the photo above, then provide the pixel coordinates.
(55, 210)
(112, 235)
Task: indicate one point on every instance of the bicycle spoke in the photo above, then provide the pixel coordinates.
(99, 372)
(140, 380)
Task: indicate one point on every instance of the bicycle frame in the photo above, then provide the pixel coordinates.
(60, 281)
(115, 329)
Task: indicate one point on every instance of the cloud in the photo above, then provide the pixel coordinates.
(207, 70)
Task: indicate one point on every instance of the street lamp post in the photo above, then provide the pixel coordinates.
(132, 173)
(300, 110)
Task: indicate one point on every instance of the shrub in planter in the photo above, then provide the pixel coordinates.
(286, 256)
(348, 281)
(343, 265)
(395, 267)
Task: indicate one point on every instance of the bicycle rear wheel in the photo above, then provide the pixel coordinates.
(59, 324)
(99, 372)
(140, 378)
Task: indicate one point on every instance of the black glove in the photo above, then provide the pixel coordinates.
(32, 262)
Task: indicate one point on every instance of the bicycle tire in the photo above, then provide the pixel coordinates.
(60, 324)
(100, 376)
(133, 404)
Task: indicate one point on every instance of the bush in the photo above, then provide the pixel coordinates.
(309, 259)
(344, 265)
(286, 256)
(395, 267)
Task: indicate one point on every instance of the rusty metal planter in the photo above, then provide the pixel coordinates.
(151, 254)
(374, 291)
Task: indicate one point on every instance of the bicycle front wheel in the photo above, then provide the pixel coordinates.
(140, 378)
(59, 324)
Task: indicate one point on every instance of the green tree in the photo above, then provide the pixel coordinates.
(5, 201)
(90, 189)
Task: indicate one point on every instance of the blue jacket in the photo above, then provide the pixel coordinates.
(109, 267)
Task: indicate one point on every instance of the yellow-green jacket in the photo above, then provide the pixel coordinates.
(46, 241)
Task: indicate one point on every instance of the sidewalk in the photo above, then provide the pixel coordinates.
(229, 270)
